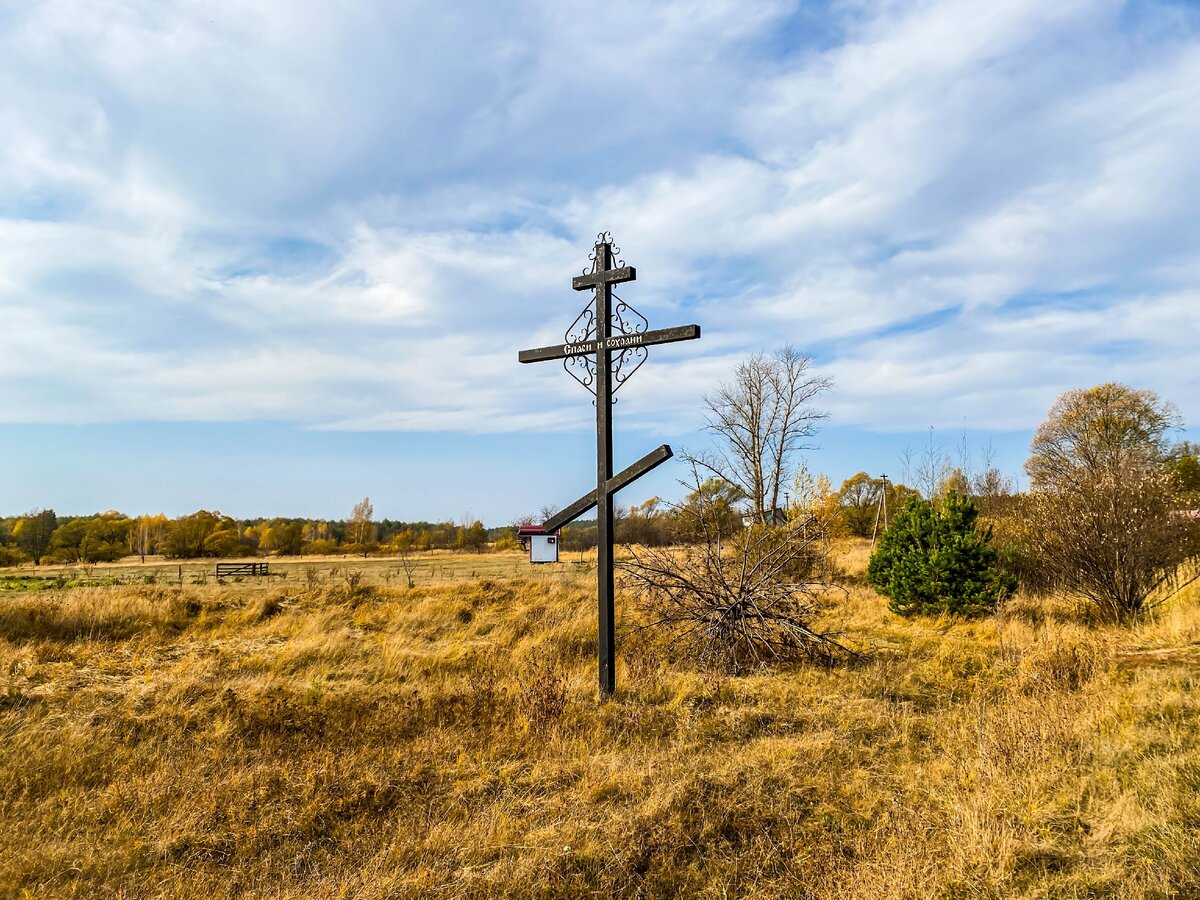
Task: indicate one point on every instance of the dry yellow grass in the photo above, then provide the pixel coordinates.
(288, 741)
(430, 567)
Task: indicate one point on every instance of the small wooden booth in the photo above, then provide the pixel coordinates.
(541, 544)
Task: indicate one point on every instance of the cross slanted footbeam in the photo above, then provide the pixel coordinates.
(624, 478)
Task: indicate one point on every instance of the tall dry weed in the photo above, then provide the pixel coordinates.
(542, 694)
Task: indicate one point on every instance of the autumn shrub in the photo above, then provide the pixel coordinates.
(1118, 540)
(320, 548)
(267, 607)
(353, 590)
(506, 542)
(934, 560)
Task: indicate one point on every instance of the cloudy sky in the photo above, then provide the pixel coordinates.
(271, 257)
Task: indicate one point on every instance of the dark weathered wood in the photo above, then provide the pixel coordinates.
(616, 342)
(569, 514)
(606, 648)
(227, 570)
(603, 345)
(604, 276)
(625, 477)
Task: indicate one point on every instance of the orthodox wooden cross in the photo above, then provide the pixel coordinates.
(603, 347)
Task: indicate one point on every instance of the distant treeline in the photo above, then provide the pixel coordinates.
(41, 536)
(862, 506)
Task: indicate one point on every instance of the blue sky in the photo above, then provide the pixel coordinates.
(269, 258)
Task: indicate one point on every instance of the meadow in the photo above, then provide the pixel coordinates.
(334, 733)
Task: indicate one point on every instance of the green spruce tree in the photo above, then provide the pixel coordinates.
(938, 560)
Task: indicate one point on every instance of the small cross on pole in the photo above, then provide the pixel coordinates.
(615, 343)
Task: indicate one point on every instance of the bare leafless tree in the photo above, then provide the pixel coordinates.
(405, 554)
(736, 601)
(991, 488)
(988, 482)
(928, 468)
(763, 418)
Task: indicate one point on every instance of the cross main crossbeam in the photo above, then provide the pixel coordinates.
(616, 342)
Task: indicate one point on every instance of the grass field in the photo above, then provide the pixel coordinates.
(332, 736)
(433, 567)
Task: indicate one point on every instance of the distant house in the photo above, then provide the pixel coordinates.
(776, 516)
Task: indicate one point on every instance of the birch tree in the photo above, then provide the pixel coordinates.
(359, 531)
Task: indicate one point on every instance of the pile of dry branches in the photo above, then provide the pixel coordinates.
(737, 601)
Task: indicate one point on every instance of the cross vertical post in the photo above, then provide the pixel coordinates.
(604, 464)
(607, 346)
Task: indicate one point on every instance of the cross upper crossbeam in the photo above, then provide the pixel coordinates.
(605, 276)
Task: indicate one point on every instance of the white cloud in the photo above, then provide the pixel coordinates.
(353, 218)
